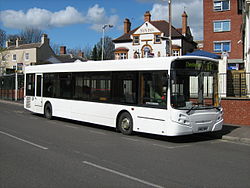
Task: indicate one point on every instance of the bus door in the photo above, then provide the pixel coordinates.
(38, 93)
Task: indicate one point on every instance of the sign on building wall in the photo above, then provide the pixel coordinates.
(147, 28)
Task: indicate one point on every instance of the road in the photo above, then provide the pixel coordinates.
(40, 153)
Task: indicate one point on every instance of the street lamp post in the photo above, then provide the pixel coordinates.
(103, 30)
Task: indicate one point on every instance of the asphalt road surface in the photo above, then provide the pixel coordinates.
(40, 153)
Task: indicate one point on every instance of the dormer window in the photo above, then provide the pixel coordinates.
(136, 40)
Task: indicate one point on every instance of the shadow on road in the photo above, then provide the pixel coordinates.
(201, 137)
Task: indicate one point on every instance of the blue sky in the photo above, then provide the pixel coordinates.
(78, 23)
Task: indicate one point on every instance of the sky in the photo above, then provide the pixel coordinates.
(78, 23)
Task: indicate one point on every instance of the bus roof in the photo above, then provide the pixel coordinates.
(162, 63)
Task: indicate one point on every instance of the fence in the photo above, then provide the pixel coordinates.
(7, 87)
(235, 84)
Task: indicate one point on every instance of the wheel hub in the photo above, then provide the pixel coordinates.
(125, 124)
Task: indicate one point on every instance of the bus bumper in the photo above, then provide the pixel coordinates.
(179, 129)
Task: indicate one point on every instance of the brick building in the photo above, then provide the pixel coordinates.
(223, 35)
(222, 30)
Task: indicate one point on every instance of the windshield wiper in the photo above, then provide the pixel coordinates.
(193, 107)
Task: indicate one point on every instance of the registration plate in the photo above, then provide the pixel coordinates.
(202, 129)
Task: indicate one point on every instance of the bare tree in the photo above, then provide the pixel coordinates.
(108, 49)
(31, 35)
(56, 48)
(87, 49)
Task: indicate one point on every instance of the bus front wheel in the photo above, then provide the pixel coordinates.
(125, 123)
(48, 111)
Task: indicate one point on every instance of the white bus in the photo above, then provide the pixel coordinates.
(165, 96)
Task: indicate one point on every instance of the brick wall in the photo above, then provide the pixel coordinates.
(234, 35)
(236, 111)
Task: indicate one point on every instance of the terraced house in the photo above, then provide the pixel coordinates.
(20, 55)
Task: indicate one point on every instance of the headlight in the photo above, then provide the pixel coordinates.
(183, 119)
(220, 116)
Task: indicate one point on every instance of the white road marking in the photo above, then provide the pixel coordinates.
(132, 139)
(28, 142)
(159, 145)
(58, 123)
(122, 174)
(69, 126)
(171, 147)
(97, 132)
(18, 111)
(30, 117)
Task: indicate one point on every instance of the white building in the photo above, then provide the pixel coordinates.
(151, 39)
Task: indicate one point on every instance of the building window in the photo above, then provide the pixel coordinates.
(121, 55)
(14, 57)
(176, 52)
(27, 56)
(221, 26)
(136, 40)
(222, 46)
(158, 39)
(221, 5)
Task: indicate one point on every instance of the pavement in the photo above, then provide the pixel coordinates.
(234, 133)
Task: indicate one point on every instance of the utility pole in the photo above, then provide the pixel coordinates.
(170, 27)
(16, 83)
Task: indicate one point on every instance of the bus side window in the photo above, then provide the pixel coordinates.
(154, 88)
(51, 87)
(30, 85)
(125, 87)
(101, 86)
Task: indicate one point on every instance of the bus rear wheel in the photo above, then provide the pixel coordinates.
(125, 123)
(48, 111)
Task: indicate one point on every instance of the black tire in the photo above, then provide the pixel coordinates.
(125, 123)
(48, 111)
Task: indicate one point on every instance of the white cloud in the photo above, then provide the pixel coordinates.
(67, 17)
(97, 15)
(42, 18)
(194, 11)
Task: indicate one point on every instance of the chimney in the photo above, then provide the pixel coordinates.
(62, 50)
(127, 25)
(45, 39)
(147, 17)
(184, 23)
(17, 42)
(8, 43)
(80, 54)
